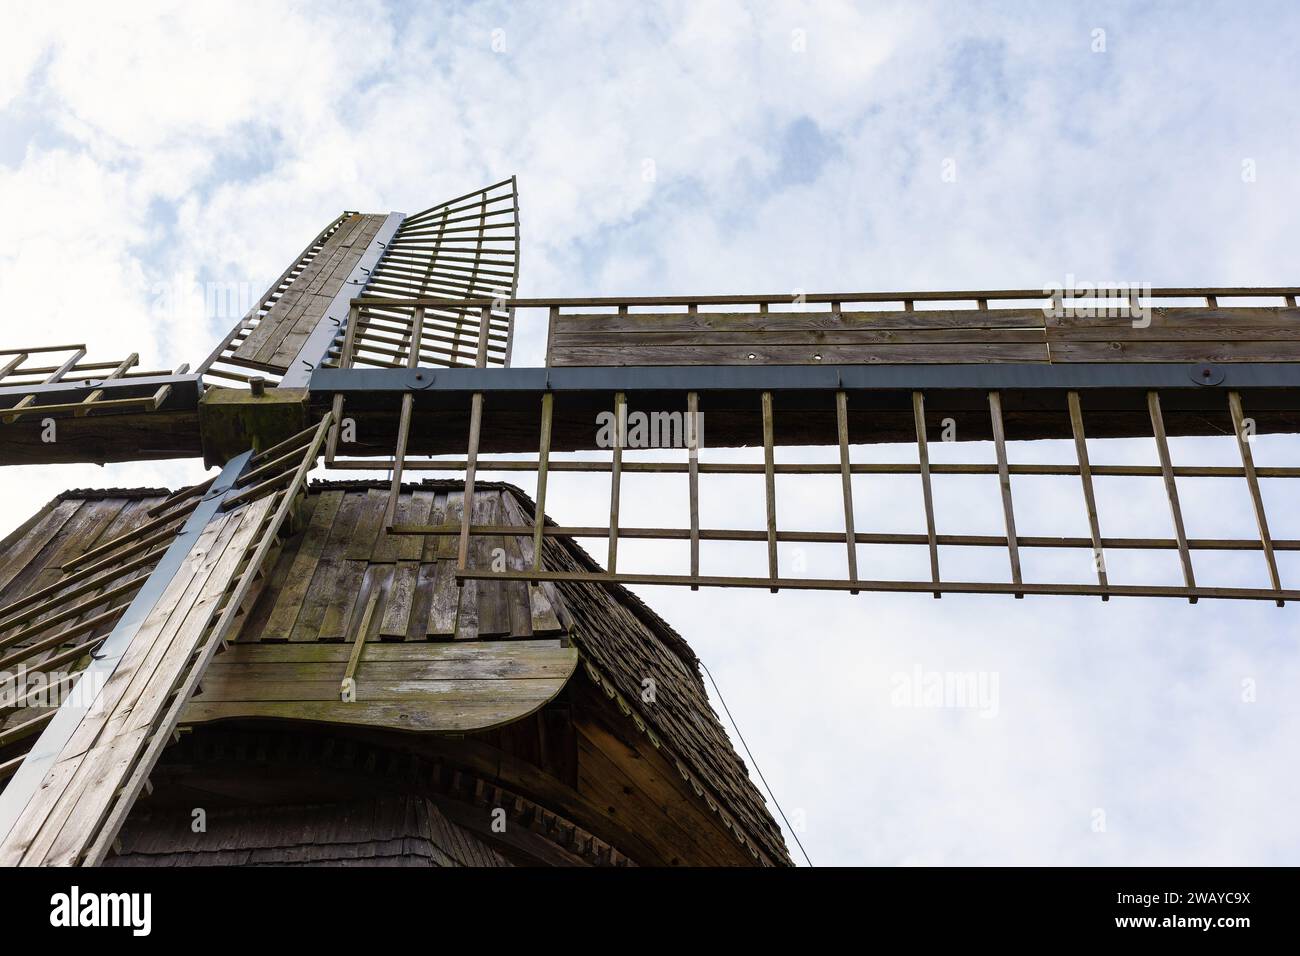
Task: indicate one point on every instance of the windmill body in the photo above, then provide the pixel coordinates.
(436, 657)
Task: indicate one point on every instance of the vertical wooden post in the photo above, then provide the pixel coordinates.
(693, 471)
(345, 361)
(1004, 479)
(616, 476)
(543, 465)
(404, 423)
(1171, 488)
(554, 318)
(484, 326)
(1089, 498)
(471, 465)
(927, 492)
(769, 475)
(846, 481)
(1252, 481)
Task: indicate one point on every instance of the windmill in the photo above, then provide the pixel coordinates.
(387, 346)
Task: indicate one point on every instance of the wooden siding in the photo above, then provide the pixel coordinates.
(961, 336)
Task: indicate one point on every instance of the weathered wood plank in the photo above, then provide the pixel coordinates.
(618, 356)
(397, 611)
(445, 598)
(431, 694)
(918, 338)
(1179, 352)
(329, 573)
(478, 653)
(1170, 322)
(457, 717)
(293, 588)
(18, 558)
(1171, 488)
(812, 320)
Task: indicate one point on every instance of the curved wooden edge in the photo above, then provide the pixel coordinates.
(423, 688)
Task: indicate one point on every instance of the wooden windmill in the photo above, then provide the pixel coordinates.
(442, 653)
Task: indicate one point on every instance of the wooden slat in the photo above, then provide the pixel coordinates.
(846, 481)
(19, 558)
(404, 421)
(543, 461)
(1252, 482)
(307, 556)
(901, 586)
(1171, 488)
(858, 323)
(693, 466)
(769, 485)
(1004, 481)
(1085, 477)
(1177, 324)
(616, 476)
(475, 427)
(328, 582)
(401, 597)
(1177, 352)
(927, 491)
(755, 354)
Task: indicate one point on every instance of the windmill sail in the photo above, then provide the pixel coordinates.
(467, 247)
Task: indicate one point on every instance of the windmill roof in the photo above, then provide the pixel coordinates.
(621, 640)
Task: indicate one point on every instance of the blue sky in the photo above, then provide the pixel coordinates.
(793, 146)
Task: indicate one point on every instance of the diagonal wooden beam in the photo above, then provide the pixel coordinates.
(1171, 488)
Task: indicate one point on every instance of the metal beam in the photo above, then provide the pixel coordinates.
(713, 378)
(184, 391)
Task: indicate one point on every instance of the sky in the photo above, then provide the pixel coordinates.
(150, 151)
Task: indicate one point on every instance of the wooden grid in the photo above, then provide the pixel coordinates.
(465, 248)
(1264, 331)
(932, 538)
(22, 368)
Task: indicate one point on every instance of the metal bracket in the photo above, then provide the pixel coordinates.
(1206, 374)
